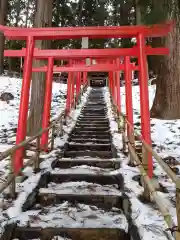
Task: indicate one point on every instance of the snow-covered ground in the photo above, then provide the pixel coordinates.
(8, 125)
(9, 114)
(164, 135)
(164, 132)
(9, 111)
(149, 220)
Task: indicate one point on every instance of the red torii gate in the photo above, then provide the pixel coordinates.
(112, 65)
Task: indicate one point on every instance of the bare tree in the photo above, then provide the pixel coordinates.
(43, 19)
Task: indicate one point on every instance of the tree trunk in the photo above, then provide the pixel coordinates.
(166, 103)
(138, 12)
(138, 17)
(155, 61)
(124, 21)
(43, 19)
(3, 12)
(18, 10)
(27, 12)
(102, 21)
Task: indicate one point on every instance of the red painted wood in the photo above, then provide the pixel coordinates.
(90, 32)
(85, 53)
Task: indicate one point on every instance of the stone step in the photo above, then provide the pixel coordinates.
(92, 114)
(93, 104)
(91, 128)
(98, 102)
(90, 147)
(101, 154)
(91, 124)
(98, 178)
(87, 137)
(92, 121)
(92, 118)
(91, 133)
(96, 162)
(87, 140)
(76, 233)
(49, 196)
(94, 111)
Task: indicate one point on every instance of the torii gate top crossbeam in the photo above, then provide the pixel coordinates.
(90, 32)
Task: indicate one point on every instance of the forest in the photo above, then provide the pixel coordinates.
(81, 161)
(64, 13)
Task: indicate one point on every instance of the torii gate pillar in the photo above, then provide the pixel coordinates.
(24, 102)
(47, 104)
(144, 102)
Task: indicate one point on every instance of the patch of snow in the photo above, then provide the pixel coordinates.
(81, 170)
(165, 133)
(48, 159)
(9, 112)
(81, 188)
(4, 147)
(26, 188)
(113, 124)
(68, 215)
(28, 171)
(59, 141)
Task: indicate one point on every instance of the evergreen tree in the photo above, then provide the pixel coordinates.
(167, 98)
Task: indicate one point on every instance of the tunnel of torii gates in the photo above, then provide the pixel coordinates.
(107, 60)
